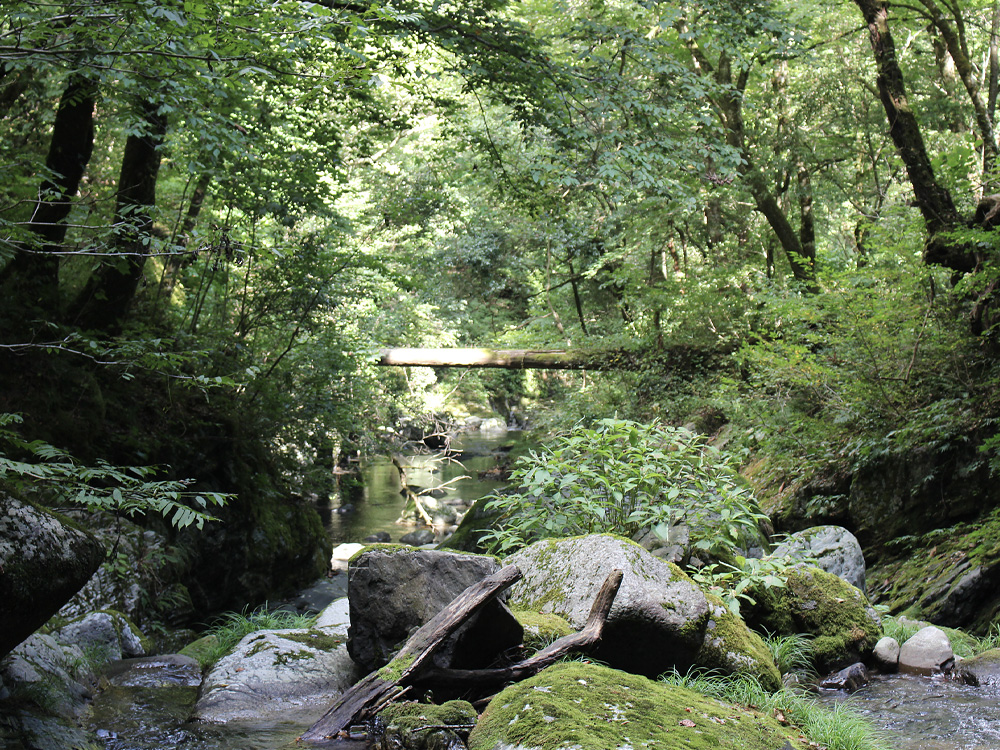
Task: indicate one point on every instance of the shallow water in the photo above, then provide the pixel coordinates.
(928, 713)
(378, 506)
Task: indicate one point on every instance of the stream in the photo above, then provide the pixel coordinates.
(149, 712)
(378, 503)
(927, 713)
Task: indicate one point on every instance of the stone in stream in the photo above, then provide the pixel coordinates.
(393, 590)
(982, 669)
(849, 678)
(418, 538)
(277, 675)
(45, 559)
(927, 651)
(886, 654)
(660, 619)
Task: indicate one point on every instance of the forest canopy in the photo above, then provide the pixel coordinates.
(780, 214)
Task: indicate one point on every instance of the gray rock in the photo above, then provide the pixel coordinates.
(659, 617)
(164, 670)
(886, 654)
(336, 616)
(982, 669)
(927, 651)
(418, 538)
(277, 675)
(45, 559)
(849, 678)
(142, 554)
(834, 549)
(105, 635)
(56, 677)
(393, 590)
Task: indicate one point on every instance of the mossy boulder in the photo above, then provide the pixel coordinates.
(108, 635)
(949, 576)
(982, 669)
(843, 624)
(730, 647)
(589, 706)
(423, 726)
(277, 675)
(45, 559)
(541, 629)
(661, 620)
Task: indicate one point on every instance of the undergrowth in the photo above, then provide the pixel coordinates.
(232, 627)
(837, 728)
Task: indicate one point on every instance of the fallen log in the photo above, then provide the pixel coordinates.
(589, 636)
(383, 685)
(511, 359)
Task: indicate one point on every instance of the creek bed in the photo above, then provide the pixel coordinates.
(927, 713)
(378, 504)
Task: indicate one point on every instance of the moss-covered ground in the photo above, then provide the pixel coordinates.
(576, 704)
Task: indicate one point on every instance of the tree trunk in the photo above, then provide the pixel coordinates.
(105, 301)
(934, 201)
(510, 359)
(32, 277)
(179, 256)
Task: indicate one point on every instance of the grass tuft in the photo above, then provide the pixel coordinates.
(233, 626)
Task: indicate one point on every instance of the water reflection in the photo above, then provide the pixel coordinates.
(377, 503)
(920, 713)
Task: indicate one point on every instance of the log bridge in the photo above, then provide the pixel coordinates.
(510, 359)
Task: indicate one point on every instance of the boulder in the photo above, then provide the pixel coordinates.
(843, 624)
(108, 635)
(886, 654)
(45, 560)
(541, 630)
(660, 619)
(277, 675)
(335, 616)
(580, 705)
(394, 590)
(50, 675)
(982, 669)
(849, 678)
(833, 548)
(927, 651)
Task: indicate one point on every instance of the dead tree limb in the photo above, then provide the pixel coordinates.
(384, 684)
(581, 641)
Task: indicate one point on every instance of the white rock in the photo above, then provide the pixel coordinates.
(929, 650)
(887, 654)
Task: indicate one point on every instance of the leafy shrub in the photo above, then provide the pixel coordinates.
(733, 582)
(126, 490)
(620, 477)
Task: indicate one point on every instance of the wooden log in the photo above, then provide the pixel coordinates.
(510, 359)
(586, 638)
(381, 686)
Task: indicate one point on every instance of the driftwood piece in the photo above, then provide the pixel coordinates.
(580, 641)
(383, 685)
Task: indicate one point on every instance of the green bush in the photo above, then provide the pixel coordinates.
(620, 477)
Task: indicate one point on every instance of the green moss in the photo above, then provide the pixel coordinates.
(317, 639)
(589, 706)
(844, 625)
(392, 671)
(732, 648)
(541, 629)
(203, 650)
(412, 715)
